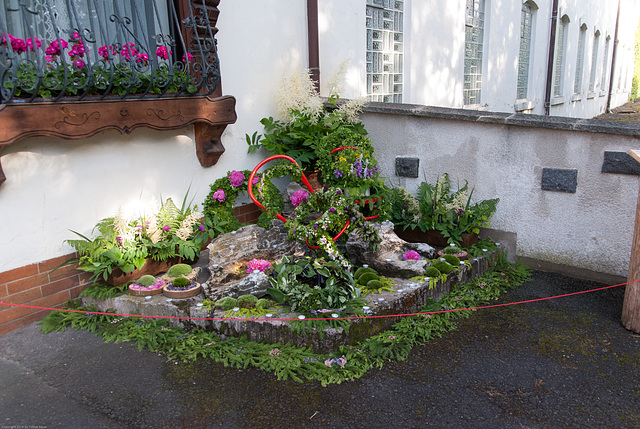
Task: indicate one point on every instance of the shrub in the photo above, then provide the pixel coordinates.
(247, 301)
(179, 270)
(432, 272)
(360, 271)
(443, 266)
(367, 277)
(452, 259)
(375, 284)
(263, 303)
(451, 250)
(146, 281)
(181, 282)
(227, 303)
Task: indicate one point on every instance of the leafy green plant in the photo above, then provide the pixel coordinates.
(439, 207)
(126, 244)
(307, 284)
(305, 121)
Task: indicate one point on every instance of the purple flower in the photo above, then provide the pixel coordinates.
(236, 178)
(201, 226)
(332, 210)
(299, 197)
(258, 264)
(338, 192)
(166, 228)
(256, 179)
(315, 226)
(219, 195)
(337, 173)
(411, 255)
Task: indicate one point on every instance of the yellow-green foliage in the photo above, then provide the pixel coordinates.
(362, 270)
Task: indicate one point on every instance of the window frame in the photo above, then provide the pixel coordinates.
(81, 119)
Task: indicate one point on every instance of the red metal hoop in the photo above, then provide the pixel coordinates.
(306, 183)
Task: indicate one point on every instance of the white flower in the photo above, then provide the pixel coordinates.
(186, 227)
(122, 228)
(298, 93)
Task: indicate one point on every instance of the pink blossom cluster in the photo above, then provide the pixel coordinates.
(236, 178)
(19, 45)
(258, 264)
(411, 255)
(158, 285)
(341, 361)
(163, 52)
(219, 195)
(128, 52)
(299, 197)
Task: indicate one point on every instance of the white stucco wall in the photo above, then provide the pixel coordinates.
(578, 229)
(54, 186)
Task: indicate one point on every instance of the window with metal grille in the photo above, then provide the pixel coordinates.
(385, 50)
(524, 56)
(605, 59)
(474, 33)
(577, 83)
(594, 61)
(65, 50)
(561, 46)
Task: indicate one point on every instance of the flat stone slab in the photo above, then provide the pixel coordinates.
(408, 297)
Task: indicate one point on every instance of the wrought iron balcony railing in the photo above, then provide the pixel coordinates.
(73, 50)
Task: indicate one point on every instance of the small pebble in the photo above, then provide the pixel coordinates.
(169, 300)
(334, 315)
(147, 298)
(301, 317)
(236, 308)
(268, 315)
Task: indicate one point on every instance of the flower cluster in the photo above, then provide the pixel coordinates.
(159, 284)
(219, 204)
(341, 361)
(258, 264)
(411, 255)
(299, 197)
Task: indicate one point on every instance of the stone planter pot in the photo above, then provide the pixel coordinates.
(145, 292)
(462, 256)
(194, 289)
(433, 238)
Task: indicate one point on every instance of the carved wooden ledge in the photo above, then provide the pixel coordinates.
(81, 119)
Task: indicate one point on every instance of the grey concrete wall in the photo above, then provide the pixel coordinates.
(567, 189)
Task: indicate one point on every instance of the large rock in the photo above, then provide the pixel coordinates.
(230, 253)
(387, 259)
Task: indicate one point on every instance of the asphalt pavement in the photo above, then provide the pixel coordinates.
(560, 363)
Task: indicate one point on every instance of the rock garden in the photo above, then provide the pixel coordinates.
(341, 273)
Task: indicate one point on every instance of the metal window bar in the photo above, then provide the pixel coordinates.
(72, 50)
(525, 50)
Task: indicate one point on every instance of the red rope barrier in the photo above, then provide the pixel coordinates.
(321, 318)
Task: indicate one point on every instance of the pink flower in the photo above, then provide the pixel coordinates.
(163, 52)
(258, 264)
(166, 228)
(256, 179)
(299, 197)
(236, 178)
(189, 58)
(33, 41)
(412, 255)
(55, 47)
(219, 195)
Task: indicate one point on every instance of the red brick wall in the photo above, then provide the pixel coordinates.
(37, 286)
